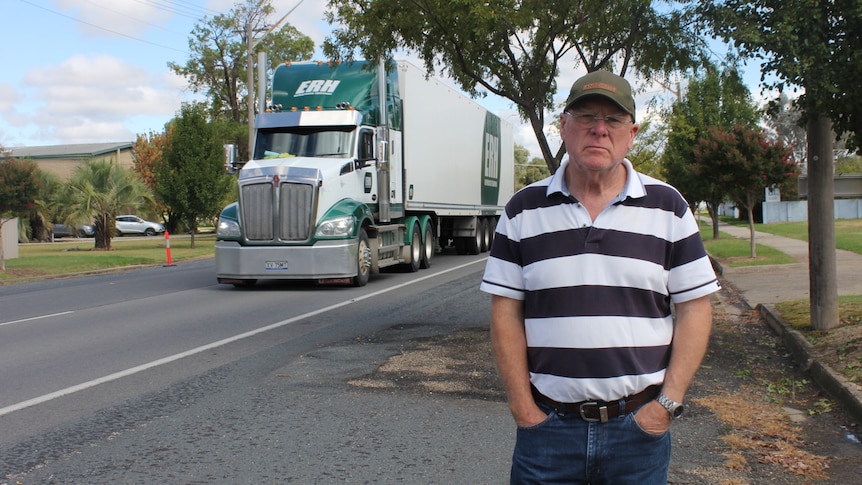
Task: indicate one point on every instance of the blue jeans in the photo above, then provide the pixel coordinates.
(567, 449)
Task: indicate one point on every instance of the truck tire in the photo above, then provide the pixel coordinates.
(363, 260)
(412, 266)
(484, 224)
(473, 245)
(428, 248)
(492, 231)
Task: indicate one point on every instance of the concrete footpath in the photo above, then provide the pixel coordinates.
(761, 287)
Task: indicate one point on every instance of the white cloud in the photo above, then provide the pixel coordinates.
(106, 18)
(96, 98)
(10, 98)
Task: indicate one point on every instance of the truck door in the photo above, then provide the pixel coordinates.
(396, 174)
(367, 175)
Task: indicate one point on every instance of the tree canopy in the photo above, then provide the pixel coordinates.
(714, 99)
(98, 191)
(514, 49)
(528, 171)
(190, 178)
(217, 66)
(19, 187)
(742, 162)
(812, 47)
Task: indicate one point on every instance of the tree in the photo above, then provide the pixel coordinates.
(98, 191)
(19, 186)
(514, 49)
(38, 227)
(528, 172)
(783, 118)
(742, 163)
(219, 49)
(645, 154)
(815, 46)
(190, 178)
(148, 151)
(714, 99)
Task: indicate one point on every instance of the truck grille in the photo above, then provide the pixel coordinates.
(294, 205)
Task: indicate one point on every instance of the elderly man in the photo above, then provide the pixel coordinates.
(584, 271)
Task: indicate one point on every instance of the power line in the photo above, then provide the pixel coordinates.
(103, 28)
(181, 8)
(121, 14)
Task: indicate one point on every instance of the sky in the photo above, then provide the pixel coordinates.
(92, 71)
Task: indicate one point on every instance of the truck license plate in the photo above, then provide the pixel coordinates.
(276, 265)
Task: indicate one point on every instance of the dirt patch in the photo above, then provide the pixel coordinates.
(461, 363)
(777, 423)
(840, 349)
(766, 432)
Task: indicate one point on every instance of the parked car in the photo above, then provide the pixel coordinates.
(135, 225)
(84, 230)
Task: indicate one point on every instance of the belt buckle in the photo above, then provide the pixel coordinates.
(603, 413)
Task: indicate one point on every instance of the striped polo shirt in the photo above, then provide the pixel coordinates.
(597, 294)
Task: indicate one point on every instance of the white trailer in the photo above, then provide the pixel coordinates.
(340, 186)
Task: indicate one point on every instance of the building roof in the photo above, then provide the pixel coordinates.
(85, 150)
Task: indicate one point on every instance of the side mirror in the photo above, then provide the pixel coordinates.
(362, 163)
(230, 159)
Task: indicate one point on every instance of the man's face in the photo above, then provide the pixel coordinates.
(597, 145)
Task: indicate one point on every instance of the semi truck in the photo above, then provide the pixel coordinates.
(341, 185)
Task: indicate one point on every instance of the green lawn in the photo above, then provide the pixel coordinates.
(733, 251)
(848, 232)
(39, 261)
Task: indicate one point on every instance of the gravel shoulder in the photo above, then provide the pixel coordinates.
(753, 415)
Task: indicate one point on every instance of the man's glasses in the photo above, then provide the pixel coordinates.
(587, 120)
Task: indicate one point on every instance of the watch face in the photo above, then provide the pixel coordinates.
(678, 411)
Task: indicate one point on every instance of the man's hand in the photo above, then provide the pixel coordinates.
(653, 418)
(529, 416)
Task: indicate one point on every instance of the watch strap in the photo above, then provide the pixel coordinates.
(673, 408)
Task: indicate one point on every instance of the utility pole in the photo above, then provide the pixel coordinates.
(822, 265)
(251, 43)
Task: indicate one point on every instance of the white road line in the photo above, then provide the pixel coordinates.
(204, 348)
(35, 318)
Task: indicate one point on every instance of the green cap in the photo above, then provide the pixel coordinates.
(603, 83)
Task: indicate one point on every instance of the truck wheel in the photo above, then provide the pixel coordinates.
(491, 228)
(415, 251)
(363, 260)
(473, 245)
(485, 245)
(427, 247)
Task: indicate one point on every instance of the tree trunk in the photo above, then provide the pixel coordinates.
(538, 125)
(2, 255)
(712, 209)
(751, 242)
(822, 270)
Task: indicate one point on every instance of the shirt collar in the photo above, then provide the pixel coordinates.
(633, 188)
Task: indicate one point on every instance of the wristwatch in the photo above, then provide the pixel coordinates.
(674, 408)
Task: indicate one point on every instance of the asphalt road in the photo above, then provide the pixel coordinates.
(163, 376)
(90, 365)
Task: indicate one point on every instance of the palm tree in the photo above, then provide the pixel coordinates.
(98, 191)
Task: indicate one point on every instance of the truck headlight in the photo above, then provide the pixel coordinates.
(227, 229)
(341, 227)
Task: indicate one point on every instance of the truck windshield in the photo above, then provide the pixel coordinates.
(305, 142)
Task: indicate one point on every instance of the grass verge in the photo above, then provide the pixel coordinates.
(52, 260)
(839, 347)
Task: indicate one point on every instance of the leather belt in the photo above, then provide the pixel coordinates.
(599, 411)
